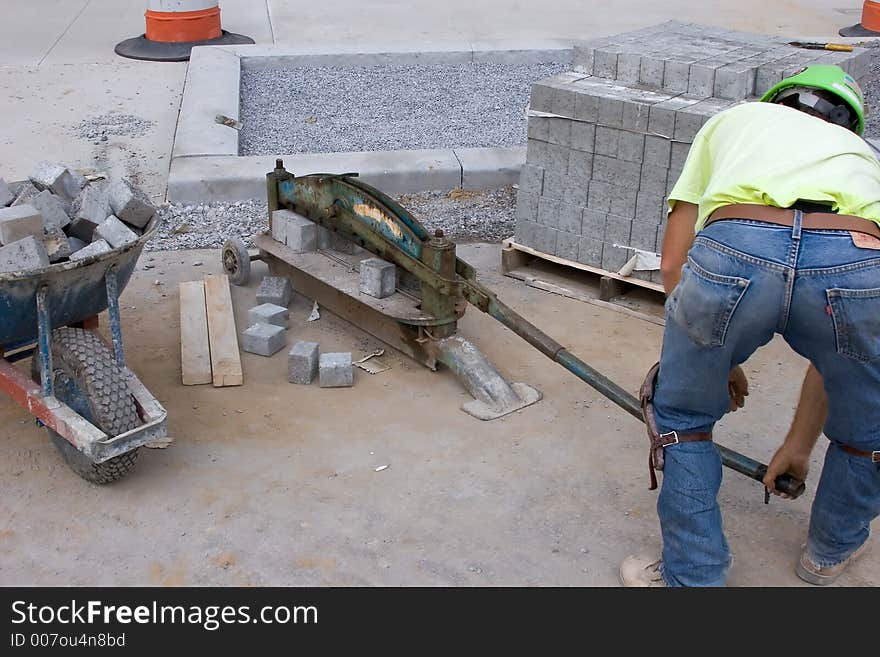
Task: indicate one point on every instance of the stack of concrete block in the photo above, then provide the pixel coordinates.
(268, 321)
(608, 140)
(56, 216)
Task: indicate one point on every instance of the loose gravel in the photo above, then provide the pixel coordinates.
(463, 216)
(383, 108)
(112, 124)
(871, 90)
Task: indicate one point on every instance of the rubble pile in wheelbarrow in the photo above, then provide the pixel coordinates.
(56, 215)
(67, 249)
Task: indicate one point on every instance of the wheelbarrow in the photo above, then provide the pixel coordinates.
(96, 410)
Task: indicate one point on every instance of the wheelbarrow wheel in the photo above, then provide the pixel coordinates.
(236, 261)
(86, 378)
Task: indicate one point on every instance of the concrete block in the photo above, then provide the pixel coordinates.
(661, 119)
(23, 255)
(25, 193)
(623, 201)
(635, 116)
(526, 232)
(631, 146)
(643, 234)
(95, 248)
(564, 98)
(678, 155)
(56, 178)
(661, 232)
(263, 339)
(274, 289)
(651, 71)
(599, 196)
(582, 59)
(18, 222)
(300, 233)
(130, 204)
(531, 180)
(550, 157)
(378, 278)
(617, 229)
(586, 106)
(657, 151)
(6, 195)
(675, 75)
(302, 362)
(526, 206)
(554, 184)
(628, 64)
(687, 125)
(650, 207)
(583, 136)
(335, 370)
(115, 233)
(611, 111)
(51, 207)
(569, 218)
(607, 140)
(269, 313)
(590, 251)
(614, 257)
(548, 212)
(559, 131)
(734, 81)
(92, 205)
(593, 224)
(576, 190)
(541, 97)
(605, 62)
(580, 165)
(654, 178)
(76, 244)
(545, 239)
(567, 246)
(56, 244)
(279, 226)
(539, 128)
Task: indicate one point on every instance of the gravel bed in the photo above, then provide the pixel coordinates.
(112, 124)
(484, 216)
(382, 108)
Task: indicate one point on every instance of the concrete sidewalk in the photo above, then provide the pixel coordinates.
(57, 65)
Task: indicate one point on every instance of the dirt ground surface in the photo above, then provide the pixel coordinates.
(276, 484)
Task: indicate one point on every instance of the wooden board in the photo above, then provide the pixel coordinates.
(225, 358)
(509, 261)
(195, 353)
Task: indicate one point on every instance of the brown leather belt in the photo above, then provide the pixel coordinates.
(785, 217)
(874, 456)
(675, 437)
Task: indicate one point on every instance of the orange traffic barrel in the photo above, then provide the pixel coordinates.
(173, 27)
(870, 23)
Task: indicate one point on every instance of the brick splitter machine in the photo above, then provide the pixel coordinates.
(97, 412)
(421, 318)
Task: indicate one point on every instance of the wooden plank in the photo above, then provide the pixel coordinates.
(571, 263)
(225, 358)
(195, 353)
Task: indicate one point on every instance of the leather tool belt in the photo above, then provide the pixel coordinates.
(659, 441)
(874, 456)
(785, 217)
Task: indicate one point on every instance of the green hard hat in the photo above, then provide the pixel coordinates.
(832, 79)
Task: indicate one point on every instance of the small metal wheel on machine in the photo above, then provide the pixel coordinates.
(236, 261)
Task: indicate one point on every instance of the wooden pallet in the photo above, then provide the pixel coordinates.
(611, 284)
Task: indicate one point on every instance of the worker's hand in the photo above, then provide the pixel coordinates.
(738, 387)
(790, 458)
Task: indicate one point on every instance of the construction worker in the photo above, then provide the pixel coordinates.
(772, 228)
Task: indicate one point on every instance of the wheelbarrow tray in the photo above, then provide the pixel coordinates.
(71, 293)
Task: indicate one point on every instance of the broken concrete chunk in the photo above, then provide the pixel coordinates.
(274, 289)
(52, 208)
(18, 222)
(335, 370)
(56, 244)
(269, 313)
(24, 192)
(92, 204)
(302, 362)
(57, 178)
(130, 204)
(378, 278)
(116, 233)
(263, 339)
(6, 195)
(76, 244)
(23, 255)
(95, 248)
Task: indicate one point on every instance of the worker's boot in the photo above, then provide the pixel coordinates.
(813, 573)
(641, 571)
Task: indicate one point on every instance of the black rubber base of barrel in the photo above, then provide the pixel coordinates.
(857, 30)
(160, 51)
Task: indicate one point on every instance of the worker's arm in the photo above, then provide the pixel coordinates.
(677, 241)
(793, 456)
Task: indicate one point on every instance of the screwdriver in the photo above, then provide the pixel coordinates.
(839, 47)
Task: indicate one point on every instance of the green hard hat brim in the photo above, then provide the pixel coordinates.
(832, 79)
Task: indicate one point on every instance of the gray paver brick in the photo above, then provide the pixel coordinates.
(23, 255)
(569, 220)
(590, 251)
(580, 165)
(115, 233)
(526, 206)
(531, 179)
(335, 370)
(378, 278)
(51, 207)
(263, 339)
(607, 140)
(302, 362)
(269, 313)
(18, 222)
(274, 289)
(548, 212)
(583, 136)
(599, 196)
(593, 224)
(567, 246)
(631, 146)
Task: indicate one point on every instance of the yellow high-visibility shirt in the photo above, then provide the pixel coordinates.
(774, 155)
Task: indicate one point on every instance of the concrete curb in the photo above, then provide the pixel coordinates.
(205, 164)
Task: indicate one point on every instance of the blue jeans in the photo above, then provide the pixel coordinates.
(745, 281)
